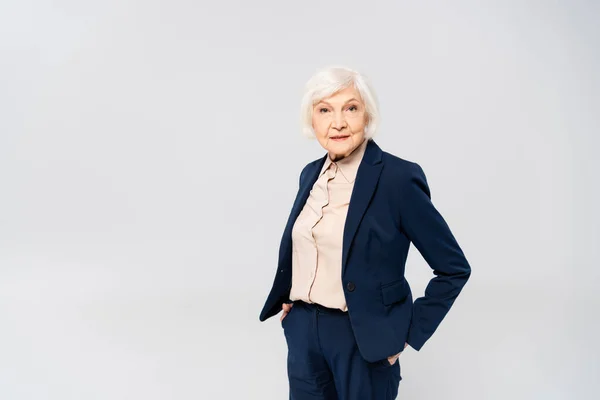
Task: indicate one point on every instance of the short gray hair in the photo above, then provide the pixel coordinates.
(330, 80)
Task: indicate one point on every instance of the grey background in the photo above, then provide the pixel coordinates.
(150, 153)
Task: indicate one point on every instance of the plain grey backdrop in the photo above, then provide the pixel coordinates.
(150, 153)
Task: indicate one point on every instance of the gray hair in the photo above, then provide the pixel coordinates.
(330, 80)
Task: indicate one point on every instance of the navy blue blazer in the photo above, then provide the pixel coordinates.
(390, 207)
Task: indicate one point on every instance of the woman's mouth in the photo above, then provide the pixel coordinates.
(339, 138)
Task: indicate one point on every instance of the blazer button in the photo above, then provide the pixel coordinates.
(350, 286)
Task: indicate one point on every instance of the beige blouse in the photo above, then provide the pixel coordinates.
(317, 234)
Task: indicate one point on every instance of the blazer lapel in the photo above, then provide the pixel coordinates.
(304, 191)
(364, 186)
(299, 202)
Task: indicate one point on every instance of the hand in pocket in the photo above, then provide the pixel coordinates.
(392, 359)
(286, 309)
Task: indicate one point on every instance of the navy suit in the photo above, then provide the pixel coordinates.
(390, 207)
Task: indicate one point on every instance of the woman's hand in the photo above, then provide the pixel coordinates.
(286, 309)
(392, 359)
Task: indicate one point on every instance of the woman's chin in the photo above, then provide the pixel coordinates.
(340, 148)
(339, 144)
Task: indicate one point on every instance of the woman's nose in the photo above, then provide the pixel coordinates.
(339, 121)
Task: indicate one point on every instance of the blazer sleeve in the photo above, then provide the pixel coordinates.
(430, 234)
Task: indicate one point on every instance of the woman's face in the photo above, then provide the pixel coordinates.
(339, 122)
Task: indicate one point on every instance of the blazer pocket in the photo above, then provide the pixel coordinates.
(394, 292)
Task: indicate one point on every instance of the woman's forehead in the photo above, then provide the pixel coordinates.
(342, 96)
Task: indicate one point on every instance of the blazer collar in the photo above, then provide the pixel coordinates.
(364, 189)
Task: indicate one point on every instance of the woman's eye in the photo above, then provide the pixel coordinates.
(352, 108)
(322, 110)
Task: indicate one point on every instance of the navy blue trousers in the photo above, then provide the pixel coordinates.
(324, 362)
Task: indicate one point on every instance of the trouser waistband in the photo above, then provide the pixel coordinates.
(319, 308)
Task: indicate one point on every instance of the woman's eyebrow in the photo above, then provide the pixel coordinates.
(324, 102)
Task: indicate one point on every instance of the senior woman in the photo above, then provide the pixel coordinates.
(348, 311)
